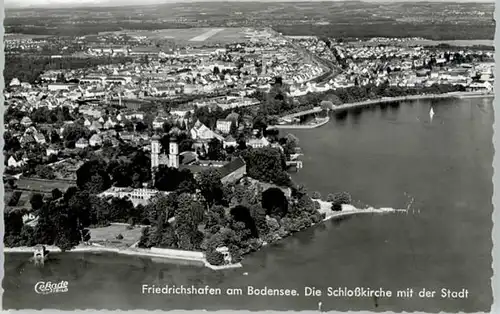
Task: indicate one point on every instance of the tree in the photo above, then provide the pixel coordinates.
(14, 198)
(36, 201)
(275, 202)
(233, 129)
(92, 177)
(260, 122)
(13, 227)
(189, 215)
(242, 214)
(338, 199)
(44, 172)
(214, 258)
(215, 219)
(165, 204)
(258, 214)
(326, 105)
(73, 133)
(215, 150)
(210, 185)
(289, 143)
(171, 179)
(56, 194)
(144, 241)
(120, 209)
(266, 164)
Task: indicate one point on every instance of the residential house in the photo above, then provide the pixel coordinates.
(60, 86)
(127, 136)
(52, 150)
(257, 142)
(87, 123)
(39, 138)
(26, 121)
(233, 117)
(27, 139)
(96, 126)
(224, 126)
(229, 141)
(158, 122)
(82, 143)
(12, 162)
(201, 134)
(95, 140)
(109, 124)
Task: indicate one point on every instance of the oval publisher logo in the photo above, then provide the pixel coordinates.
(47, 287)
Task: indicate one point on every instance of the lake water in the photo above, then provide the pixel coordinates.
(383, 157)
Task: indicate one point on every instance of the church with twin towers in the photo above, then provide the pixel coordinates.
(157, 159)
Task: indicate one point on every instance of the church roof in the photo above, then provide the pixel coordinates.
(232, 166)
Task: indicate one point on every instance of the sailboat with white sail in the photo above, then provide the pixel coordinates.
(431, 113)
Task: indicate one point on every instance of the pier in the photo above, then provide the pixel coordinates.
(302, 113)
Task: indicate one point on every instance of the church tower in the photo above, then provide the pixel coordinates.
(155, 154)
(173, 157)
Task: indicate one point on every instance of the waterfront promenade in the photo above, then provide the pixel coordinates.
(169, 254)
(382, 100)
(371, 102)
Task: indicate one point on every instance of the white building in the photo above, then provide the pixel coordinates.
(224, 126)
(82, 143)
(136, 196)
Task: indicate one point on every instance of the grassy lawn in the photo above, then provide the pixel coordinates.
(107, 235)
(184, 35)
(45, 186)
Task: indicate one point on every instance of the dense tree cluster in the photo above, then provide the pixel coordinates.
(339, 199)
(196, 214)
(267, 164)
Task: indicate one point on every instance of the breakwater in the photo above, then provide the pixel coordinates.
(322, 122)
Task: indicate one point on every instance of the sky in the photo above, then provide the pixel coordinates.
(79, 3)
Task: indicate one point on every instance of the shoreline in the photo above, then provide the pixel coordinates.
(350, 210)
(370, 102)
(347, 210)
(459, 95)
(127, 251)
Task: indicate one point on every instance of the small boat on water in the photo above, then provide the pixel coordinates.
(431, 113)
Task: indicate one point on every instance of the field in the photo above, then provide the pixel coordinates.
(107, 235)
(24, 200)
(191, 35)
(43, 186)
